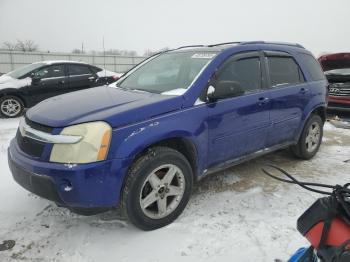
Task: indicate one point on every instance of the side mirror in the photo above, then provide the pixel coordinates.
(224, 89)
(35, 78)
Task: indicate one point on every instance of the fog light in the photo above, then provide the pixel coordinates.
(66, 186)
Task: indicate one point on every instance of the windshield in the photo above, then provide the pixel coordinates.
(20, 72)
(342, 71)
(167, 72)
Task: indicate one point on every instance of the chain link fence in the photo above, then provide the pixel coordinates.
(10, 60)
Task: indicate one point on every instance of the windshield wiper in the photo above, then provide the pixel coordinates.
(133, 89)
(122, 87)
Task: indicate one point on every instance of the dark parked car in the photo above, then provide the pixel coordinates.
(170, 121)
(337, 71)
(30, 84)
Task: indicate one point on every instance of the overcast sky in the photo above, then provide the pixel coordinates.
(62, 25)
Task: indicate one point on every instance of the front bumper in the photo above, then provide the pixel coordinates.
(339, 103)
(85, 186)
(40, 185)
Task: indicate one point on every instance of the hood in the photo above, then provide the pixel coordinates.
(116, 106)
(7, 81)
(107, 73)
(335, 61)
(336, 67)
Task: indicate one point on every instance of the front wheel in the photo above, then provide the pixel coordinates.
(157, 188)
(310, 139)
(11, 106)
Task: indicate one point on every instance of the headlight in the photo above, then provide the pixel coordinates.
(93, 146)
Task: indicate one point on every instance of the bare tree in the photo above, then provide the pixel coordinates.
(112, 52)
(20, 45)
(9, 46)
(115, 52)
(30, 46)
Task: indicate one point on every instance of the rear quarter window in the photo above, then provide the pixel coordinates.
(313, 67)
(95, 69)
(78, 70)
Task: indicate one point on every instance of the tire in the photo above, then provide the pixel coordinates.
(11, 106)
(309, 143)
(148, 179)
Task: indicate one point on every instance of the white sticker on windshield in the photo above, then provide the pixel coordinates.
(203, 55)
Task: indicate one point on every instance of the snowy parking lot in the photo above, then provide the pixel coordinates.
(236, 215)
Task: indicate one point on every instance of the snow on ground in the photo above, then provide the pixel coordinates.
(236, 215)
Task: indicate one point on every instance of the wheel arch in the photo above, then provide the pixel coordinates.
(181, 144)
(13, 92)
(319, 110)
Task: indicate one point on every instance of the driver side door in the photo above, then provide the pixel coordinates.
(51, 81)
(239, 125)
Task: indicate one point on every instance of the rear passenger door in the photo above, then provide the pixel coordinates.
(80, 77)
(289, 96)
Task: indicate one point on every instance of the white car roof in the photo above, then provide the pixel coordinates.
(50, 62)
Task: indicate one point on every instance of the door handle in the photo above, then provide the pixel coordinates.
(91, 78)
(61, 82)
(263, 100)
(303, 90)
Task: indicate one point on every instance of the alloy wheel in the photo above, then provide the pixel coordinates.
(312, 139)
(10, 107)
(162, 191)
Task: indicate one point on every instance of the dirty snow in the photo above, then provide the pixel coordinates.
(236, 215)
(9, 82)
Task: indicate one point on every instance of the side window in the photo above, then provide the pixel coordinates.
(56, 71)
(78, 70)
(95, 69)
(284, 70)
(313, 67)
(244, 73)
(51, 71)
(42, 73)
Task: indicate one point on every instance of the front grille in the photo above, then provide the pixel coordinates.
(339, 90)
(30, 146)
(38, 126)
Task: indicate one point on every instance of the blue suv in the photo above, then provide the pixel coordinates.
(142, 143)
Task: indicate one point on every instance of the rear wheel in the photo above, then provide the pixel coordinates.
(157, 188)
(11, 106)
(310, 139)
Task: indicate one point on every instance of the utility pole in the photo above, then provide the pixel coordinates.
(104, 52)
(82, 48)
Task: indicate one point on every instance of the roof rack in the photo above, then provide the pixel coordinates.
(239, 43)
(225, 43)
(272, 43)
(187, 46)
